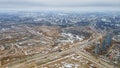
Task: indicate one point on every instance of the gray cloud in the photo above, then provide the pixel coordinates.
(23, 4)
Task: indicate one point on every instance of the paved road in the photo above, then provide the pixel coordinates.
(37, 60)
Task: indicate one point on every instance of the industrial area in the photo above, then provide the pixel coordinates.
(47, 43)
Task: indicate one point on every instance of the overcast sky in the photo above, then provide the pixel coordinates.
(59, 4)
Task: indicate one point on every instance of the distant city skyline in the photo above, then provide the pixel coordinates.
(60, 5)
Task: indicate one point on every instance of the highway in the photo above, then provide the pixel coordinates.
(38, 60)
